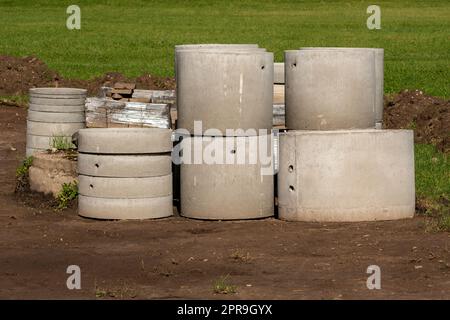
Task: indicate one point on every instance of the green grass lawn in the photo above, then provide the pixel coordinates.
(133, 37)
(433, 184)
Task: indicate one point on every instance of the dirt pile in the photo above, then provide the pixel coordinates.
(18, 74)
(428, 116)
(145, 81)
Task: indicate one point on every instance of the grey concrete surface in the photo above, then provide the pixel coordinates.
(226, 191)
(124, 166)
(239, 90)
(53, 129)
(58, 91)
(43, 142)
(331, 89)
(346, 175)
(125, 188)
(56, 108)
(57, 101)
(128, 209)
(124, 140)
(56, 117)
(379, 75)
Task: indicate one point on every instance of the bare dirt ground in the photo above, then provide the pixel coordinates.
(182, 258)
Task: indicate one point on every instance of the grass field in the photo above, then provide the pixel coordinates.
(133, 37)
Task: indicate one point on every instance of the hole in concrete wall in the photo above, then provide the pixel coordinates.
(262, 67)
(291, 168)
(291, 188)
(91, 186)
(294, 64)
(97, 165)
(233, 151)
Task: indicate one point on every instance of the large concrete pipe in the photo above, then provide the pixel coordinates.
(346, 175)
(226, 188)
(125, 173)
(53, 112)
(125, 141)
(215, 46)
(331, 89)
(379, 78)
(224, 89)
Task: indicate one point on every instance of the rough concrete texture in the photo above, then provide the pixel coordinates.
(331, 89)
(44, 142)
(63, 109)
(31, 151)
(278, 73)
(49, 171)
(226, 191)
(56, 117)
(58, 91)
(53, 129)
(346, 175)
(125, 188)
(124, 166)
(124, 140)
(239, 95)
(106, 208)
(379, 75)
(58, 101)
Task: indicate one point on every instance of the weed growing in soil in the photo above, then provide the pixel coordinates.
(14, 100)
(222, 286)
(22, 174)
(68, 193)
(61, 143)
(24, 167)
(123, 291)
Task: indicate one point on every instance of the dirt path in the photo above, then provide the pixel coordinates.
(181, 258)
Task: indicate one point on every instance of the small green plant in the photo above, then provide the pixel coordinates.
(68, 193)
(14, 100)
(222, 286)
(61, 143)
(22, 183)
(22, 170)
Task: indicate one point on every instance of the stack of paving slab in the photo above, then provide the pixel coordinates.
(220, 89)
(335, 162)
(53, 112)
(125, 173)
(108, 113)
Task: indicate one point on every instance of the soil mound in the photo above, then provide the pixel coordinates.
(18, 74)
(428, 116)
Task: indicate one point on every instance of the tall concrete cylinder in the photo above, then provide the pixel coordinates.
(216, 185)
(125, 173)
(379, 77)
(346, 175)
(54, 112)
(332, 89)
(215, 46)
(224, 89)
